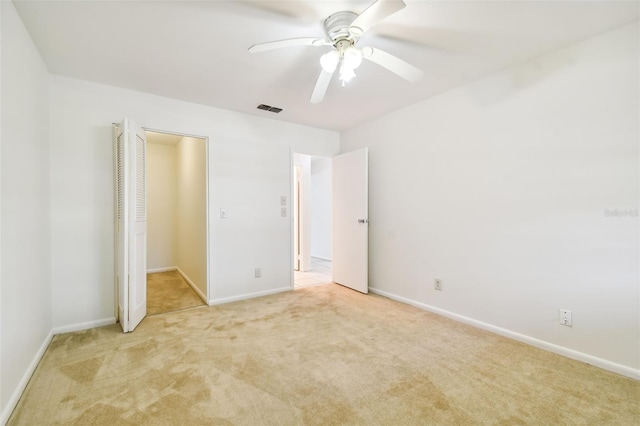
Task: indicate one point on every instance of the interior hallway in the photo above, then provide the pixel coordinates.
(321, 273)
(168, 292)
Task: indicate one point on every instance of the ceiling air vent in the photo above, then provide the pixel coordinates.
(269, 108)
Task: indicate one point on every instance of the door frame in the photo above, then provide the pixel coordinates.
(115, 127)
(297, 215)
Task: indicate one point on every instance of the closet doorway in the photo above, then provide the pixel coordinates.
(176, 169)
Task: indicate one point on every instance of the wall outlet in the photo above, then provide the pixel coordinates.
(258, 272)
(437, 284)
(565, 317)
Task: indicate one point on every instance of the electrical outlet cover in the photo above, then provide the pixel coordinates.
(565, 317)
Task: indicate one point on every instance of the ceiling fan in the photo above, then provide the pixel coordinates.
(343, 30)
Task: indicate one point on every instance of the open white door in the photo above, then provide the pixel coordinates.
(131, 253)
(350, 220)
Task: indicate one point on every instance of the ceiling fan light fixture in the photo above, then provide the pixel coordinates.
(329, 61)
(352, 58)
(346, 74)
(343, 30)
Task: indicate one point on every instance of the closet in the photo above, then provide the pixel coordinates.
(176, 222)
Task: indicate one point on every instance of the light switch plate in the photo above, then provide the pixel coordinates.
(224, 213)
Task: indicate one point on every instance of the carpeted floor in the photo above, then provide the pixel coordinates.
(168, 291)
(322, 355)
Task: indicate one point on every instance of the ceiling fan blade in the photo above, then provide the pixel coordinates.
(321, 87)
(375, 13)
(393, 64)
(278, 44)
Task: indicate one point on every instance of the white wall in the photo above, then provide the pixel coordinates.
(501, 187)
(321, 206)
(192, 207)
(25, 226)
(162, 205)
(249, 164)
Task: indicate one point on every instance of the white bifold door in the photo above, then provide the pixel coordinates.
(350, 220)
(131, 228)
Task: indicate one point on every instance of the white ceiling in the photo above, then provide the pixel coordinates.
(197, 51)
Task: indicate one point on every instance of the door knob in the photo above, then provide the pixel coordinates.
(363, 221)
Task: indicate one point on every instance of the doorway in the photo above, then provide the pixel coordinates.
(312, 217)
(176, 222)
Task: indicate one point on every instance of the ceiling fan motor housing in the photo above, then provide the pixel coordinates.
(337, 26)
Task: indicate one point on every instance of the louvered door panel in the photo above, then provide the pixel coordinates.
(131, 250)
(120, 167)
(137, 225)
(141, 179)
(122, 231)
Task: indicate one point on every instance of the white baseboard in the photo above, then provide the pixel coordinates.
(17, 393)
(247, 296)
(167, 269)
(321, 258)
(551, 347)
(192, 284)
(84, 325)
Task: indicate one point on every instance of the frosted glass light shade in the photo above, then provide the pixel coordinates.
(346, 73)
(329, 61)
(352, 58)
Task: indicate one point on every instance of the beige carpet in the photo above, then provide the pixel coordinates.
(168, 291)
(320, 356)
